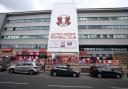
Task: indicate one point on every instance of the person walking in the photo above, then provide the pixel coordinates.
(121, 69)
(44, 66)
(127, 70)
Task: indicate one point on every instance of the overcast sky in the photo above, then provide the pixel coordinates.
(32, 5)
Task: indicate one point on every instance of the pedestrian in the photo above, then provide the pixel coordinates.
(44, 66)
(30, 59)
(20, 60)
(121, 68)
(68, 65)
(127, 70)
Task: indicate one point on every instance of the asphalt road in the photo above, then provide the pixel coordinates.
(45, 81)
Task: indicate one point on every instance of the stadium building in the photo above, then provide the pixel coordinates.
(101, 31)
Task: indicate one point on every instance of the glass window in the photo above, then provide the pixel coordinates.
(101, 36)
(97, 49)
(104, 36)
(114, 18)
(111, 36)
(103, 18)
(89, 36)
(29, 20)
(85, 36)
(127, 35)
(98, 36)
(117, 36)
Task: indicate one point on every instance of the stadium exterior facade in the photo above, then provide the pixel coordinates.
(101, 31)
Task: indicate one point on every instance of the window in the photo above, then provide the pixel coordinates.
(111, 36)
(98, 36)
(104, 36)
(29, 20)
(102, 18)
(101, 36)
(5, 29)
(102, 26)
(14, 29)
(27, 28)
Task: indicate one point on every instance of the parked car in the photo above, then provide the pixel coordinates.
(64, 70)
(25, 67)
(4, 63)
(3, 67)
(104, 71)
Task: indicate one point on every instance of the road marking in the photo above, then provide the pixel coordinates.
(13, 83)
(118, 88)
(69, 86)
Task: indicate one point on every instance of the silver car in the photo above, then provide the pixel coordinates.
(25, 67)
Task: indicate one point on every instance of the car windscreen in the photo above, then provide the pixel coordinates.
(37, 64)
(101, 67)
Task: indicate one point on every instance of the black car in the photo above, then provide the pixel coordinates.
(4, 63)
(3, 67)
(64, 70)
(104, 71)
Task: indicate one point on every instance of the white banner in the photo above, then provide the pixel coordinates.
(63, 35)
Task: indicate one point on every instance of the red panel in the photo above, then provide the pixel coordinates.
(6, 50)
(25, 49)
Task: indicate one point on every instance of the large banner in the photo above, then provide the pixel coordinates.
(63, 35)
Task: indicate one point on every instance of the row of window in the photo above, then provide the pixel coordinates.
(81, 36)
(29, 20)
(79, 19)
(100, 55)
(32, 46)
(103, 36)
(105, 49)
(36, 46)
(79, 27)
(24, 37)
(26, 28)
(102, 26)
(102, 18)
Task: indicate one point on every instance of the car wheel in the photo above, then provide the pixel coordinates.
(74, 75)
(54, 73)
(99, 75)
(0, 69)
(31, 72)
(118, 76)
(11, 70)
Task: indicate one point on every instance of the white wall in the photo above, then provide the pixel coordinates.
(83, 31)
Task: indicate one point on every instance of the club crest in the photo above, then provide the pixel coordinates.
(63, 20)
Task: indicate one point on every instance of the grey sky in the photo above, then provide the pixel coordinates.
(31, 5)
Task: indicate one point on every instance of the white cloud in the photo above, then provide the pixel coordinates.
(4, 9)
(101, 3)
(30, 5)
(47, 4)
(110, 3)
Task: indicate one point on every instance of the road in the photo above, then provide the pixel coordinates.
(45, 81)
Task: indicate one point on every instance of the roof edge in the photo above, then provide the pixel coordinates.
(78, 10)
